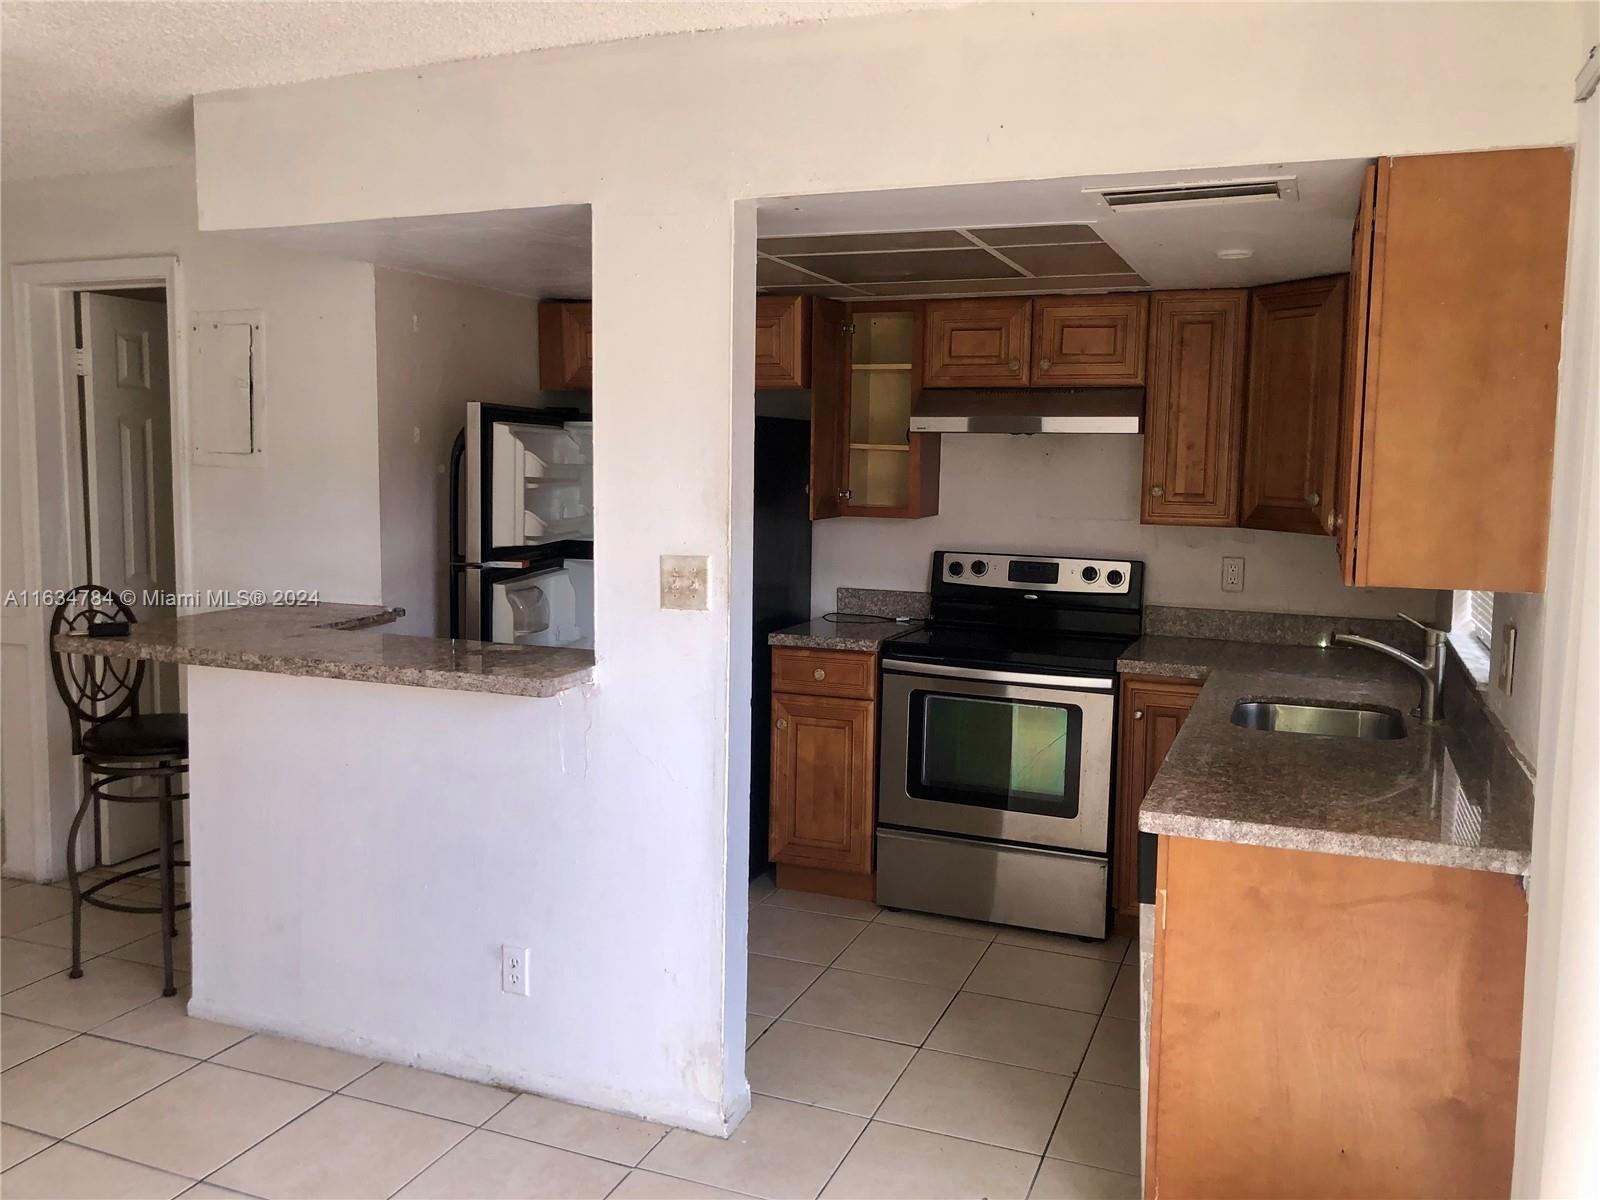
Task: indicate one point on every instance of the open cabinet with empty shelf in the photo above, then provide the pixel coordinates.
(889, 471)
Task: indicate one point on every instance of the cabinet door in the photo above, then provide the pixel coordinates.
(1151, 713)
(1291, 435)
(977, 343)
(1089, 341)
(822, 752)
(783, 341)
(1192, 414)
(1352, 399)
(889, 471)
(566, 351)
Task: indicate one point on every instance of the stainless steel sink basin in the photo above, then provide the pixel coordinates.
(1323, 721)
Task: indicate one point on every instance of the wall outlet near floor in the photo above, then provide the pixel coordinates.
(684, 581)
(1233, 574)
(1508, 659)
(514, 970)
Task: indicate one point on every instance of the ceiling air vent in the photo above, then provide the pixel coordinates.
(1170, 195)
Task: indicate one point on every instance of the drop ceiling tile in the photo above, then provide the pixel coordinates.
(1036, 235)
(911, 265)
(841, 243)
(772, 273)
(1053, 285)
(1095, 258)
(832, 291)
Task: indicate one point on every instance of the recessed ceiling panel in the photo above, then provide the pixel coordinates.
(832, 291)
(1036, 235)
(845, 243)
(772, 273)
(1088, 258)
(1020, 286)
(891, 267)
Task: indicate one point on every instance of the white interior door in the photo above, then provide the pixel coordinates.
(128, 480)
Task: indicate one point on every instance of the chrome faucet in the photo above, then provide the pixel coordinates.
(1430, 666)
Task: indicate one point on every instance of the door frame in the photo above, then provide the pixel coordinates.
(53, 551)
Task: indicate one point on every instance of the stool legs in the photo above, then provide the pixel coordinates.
(169, 927)
(72, 874)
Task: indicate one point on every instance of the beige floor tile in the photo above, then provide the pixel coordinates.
(1040, 977)
(775, 983)
(801, 936)
(872, 1005)
(148, 950)
(20, 1040)
(17, 1144)
(1099, 1127)
(1062, 1180)
(210, 1191)
(30, 904)
(108, 988)
(298, 1062)
(64, 1089)
(1009, 1031)
(934, 923)
(1124, 1000)
(982, 1101)
(761, 887)
(610, 1136)
(779, 1150)
(103, 929)
(434, 1095)
(342, 1148)
(489, 1166)
(911, 1164)
(165, 1024)
(647, 1185)
(754, 1026)
(1113, 1054)
(914, 954)
(836, 1070)
(201, 1119)
(22, 963)
(1110, 950)
(68, 1172)
(833, 906)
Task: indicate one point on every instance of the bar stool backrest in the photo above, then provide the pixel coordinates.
(93, 688)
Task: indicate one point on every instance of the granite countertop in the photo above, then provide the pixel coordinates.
(842, 633)
(342, 641)
(1446, 795)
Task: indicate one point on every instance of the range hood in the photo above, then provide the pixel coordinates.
(1036, 410)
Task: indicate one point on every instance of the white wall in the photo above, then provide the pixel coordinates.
(664, 137)
(1080, 495)
(439, 345)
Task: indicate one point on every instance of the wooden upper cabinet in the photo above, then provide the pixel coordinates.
(1193, 407)
(1151, 713)
(977, 343)
(1352, 398)
(566, 350)
(783, 341)
(888, 470)
(1451, 439)
(1089, 341)
(1291, 435)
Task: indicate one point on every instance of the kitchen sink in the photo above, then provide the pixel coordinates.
(1323, 721)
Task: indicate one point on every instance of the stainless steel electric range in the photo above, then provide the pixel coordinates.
(994, 787)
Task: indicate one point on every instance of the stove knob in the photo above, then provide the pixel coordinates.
(1090, 574)
(979, 567)
(1115, 578)
(955, 570)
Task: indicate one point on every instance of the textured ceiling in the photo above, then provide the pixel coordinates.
(104, 85)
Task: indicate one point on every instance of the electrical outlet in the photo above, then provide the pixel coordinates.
(683, 581)
(1233, 574)
(514, 970)
(1508, 658)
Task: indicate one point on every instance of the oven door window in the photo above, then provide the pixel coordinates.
(994, 753)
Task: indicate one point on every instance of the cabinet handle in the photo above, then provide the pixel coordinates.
(783, 723)
(1044, 364)
(819, 674)
(1314, 499)
(1138, 714)
(1013, 364)
(1158, 491)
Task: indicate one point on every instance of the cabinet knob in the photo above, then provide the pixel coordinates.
(1338, 520)
(1013, 364)
(819, 673)
(1138, 714)
(844, 493)
(1158, 491)
(1314, 499)
(1044, 364)
(783, 723)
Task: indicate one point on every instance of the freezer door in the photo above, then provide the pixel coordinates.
(552, 606)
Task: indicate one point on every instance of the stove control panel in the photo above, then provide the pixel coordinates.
(1040, 574)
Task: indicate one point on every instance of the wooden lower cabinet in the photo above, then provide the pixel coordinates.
(1151, 713)
(824, 772)
(1323, 1025)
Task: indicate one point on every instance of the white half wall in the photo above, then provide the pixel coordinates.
(1072, 495)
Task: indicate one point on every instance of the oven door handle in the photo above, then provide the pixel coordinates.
(1077, 683)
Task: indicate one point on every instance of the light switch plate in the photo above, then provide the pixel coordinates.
(684, 579)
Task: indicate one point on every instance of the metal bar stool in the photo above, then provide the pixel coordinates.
(119, 747)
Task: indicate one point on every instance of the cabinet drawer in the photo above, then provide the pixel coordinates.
(825, 672)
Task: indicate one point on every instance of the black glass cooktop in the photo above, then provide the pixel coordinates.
(1061, 653)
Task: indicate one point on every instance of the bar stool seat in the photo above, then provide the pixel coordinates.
(151, 735)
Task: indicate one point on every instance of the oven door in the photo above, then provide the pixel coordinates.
(996, 754)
